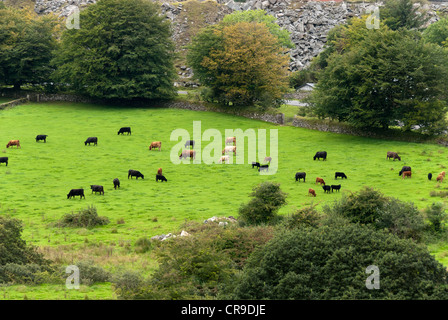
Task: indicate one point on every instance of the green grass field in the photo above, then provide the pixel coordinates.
(34, 186)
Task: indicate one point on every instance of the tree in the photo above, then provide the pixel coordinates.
(27, 42)
(402, 14)
(122, 49)
(437, 32)
(242, 63)
(387, 76)
(330, 262)
(267, 198)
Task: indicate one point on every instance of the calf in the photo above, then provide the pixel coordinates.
(268, 159)
(263, 167)
(189, 143)
(393, 155)
(90, 140)
(188, 154)
(255, 164)
(320, 180)
(4, 159)
(159, 172)
(407, 174)
(320, 154)
(311, 192)
(116, 183)
(326, 188)
(225, 159)
(41, 137)
(136, 174)
(124, 129)
(155, 144)
(13, 143)
(76, 192)
(160, 177)
(300, 175)
(335, 187)
(230, 140)
(429, 176)
(405, 168)
(340, 174)
(97, 188)
(439, 178)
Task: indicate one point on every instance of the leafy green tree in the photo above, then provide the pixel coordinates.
(402, 14)
(267, 198)
(437, 32)
(437, 216)
(27, 42)
(122, 50)
(330, 262)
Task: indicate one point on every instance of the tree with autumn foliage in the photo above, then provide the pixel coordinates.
(241, 63)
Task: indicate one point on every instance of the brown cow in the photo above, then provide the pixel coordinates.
(442, 173)
(229, 149)
(268, 159)
(159, 172)
(320, 180)
(231, 140)
(393, 155)
(406, 174)
(155, 144)
(13, 143)
(311, 192)
(440, 178)
(188, 154)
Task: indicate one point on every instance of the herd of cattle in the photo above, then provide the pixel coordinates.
(405, 172)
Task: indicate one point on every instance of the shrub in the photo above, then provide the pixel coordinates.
(90, 273)
(436, 215)
(303, 217)
(142, 245)
(85, 218)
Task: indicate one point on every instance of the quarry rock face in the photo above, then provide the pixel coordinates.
(307, 21)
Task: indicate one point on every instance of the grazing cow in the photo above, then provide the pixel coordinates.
(41, 137)
(136, 174)
(225, 159)
(407, 174)
(442, 173)
(189, 143)
(76, 192)
(230, 140)
(405, 168)
(300, 175)
(439, 178)
(97, 188)
(4, 159)
(159, 172)
(429, 176)
(311, 192)
(116, 183)
(336, 187)
(188, 154)
(124, 129)
(320, 180)
(160, 177)
(268, 159)
(90, 140)
(255, 164)
(155, 144)
(229, 149)
(392, 155)
(327, 189)
(340, 174)
(13, 143)
(263, 167)
(320, 154)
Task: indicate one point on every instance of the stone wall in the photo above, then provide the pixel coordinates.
(13, 103)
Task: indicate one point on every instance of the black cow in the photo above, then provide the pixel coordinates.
(97, 188)
(4, 159)
(405, 168)
(320, 154)
(116, 183)
(41, 137)
(189, 143)
(335, 187)
(135, 173)
(76, 192)
(90, 140)
(263, 167)
(160, 177)
(340, 174)
(326, 189)
(300, 175)
(429, 174)
(255, 164)
(124, 129)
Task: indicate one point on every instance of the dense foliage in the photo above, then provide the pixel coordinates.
(84, 218)
(122, 50)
